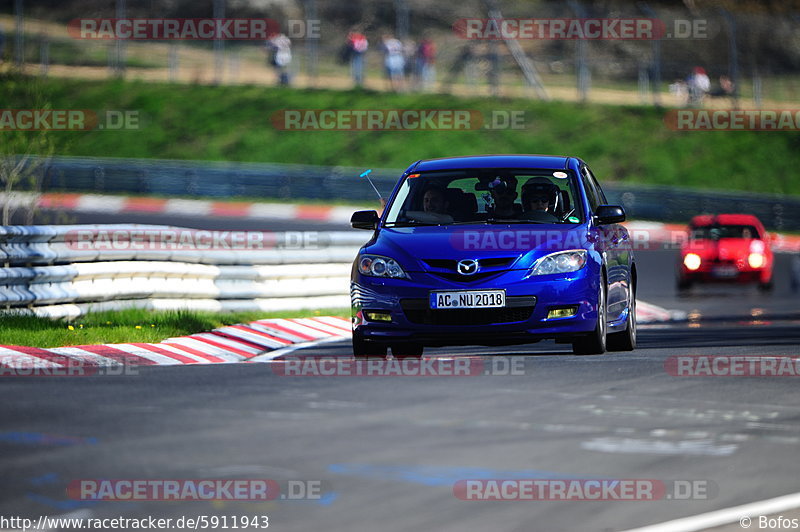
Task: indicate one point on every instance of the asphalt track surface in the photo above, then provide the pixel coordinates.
(388, 450)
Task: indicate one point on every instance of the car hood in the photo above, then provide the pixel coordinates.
(523, 243)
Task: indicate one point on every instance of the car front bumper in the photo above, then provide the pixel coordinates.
(522, 320)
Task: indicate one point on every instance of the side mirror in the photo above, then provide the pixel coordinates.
(364, 220)
(609, 214)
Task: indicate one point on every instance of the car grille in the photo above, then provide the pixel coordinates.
(519, 308)
(458, 278)
(446, 268)
(450, 264)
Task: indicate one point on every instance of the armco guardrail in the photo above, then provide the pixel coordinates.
(297, 182)
(66, 271)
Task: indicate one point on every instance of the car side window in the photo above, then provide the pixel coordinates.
(601, 197)
(591, 191)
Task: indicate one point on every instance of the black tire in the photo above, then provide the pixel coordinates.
(683, 284)
(766, 287)
(407, 350)
(594, 343)
(625, 340)
(364, 349)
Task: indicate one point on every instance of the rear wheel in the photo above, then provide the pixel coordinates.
(683, 284)
(625, 340)
(364, 349)
(595, 342)
(407, 350)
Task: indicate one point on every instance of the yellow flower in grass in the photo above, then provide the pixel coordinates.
(138, 326)
(70, 327)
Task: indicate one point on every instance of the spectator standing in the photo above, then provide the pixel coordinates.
(698, 85)
(680, 89)
(357, 45)
(279, 48)
(393, 61)
(426, 57)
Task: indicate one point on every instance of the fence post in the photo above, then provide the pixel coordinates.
(172, 61)
(44, 54)
(219, 44)
(312, 42)
(119, 44)
(654, 70)
(733, 57)
(582, 72)
(19, 37)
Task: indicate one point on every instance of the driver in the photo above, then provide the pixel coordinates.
(434, 207)
(540, 199)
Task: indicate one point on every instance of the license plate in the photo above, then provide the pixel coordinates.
(725, 272)
(468, 299)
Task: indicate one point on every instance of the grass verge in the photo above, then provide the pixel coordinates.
(128, 326)
(234, 123)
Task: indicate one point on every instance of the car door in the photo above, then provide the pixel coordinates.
(615, 245)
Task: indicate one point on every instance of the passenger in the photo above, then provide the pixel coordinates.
(434, 201)
(434, 207)
(504, 193)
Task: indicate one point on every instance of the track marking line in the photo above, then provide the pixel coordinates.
(725, 516)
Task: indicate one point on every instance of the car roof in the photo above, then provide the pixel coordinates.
(547, 162)
(725, 219)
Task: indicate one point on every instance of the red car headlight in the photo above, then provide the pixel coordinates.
(691, 261)
(756, 260)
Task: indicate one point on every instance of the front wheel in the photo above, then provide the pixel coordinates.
(683, 284)
(364, 349)
(595, 342)
(625, 340)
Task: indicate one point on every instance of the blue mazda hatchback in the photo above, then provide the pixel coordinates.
(494, 250)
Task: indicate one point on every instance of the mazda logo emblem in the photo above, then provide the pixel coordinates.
(467, 267)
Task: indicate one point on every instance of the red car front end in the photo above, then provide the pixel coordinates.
(731, 248)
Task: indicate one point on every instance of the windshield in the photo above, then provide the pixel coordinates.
(486, 196)
(715, 232)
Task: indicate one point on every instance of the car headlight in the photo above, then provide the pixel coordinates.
(756, 260)
(691, 261)
(378, 266)
(559, 262)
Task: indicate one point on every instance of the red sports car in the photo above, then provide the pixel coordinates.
(728, 248)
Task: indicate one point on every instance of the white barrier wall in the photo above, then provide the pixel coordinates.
(48, 271)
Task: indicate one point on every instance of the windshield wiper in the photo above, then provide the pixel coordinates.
(513, 221)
